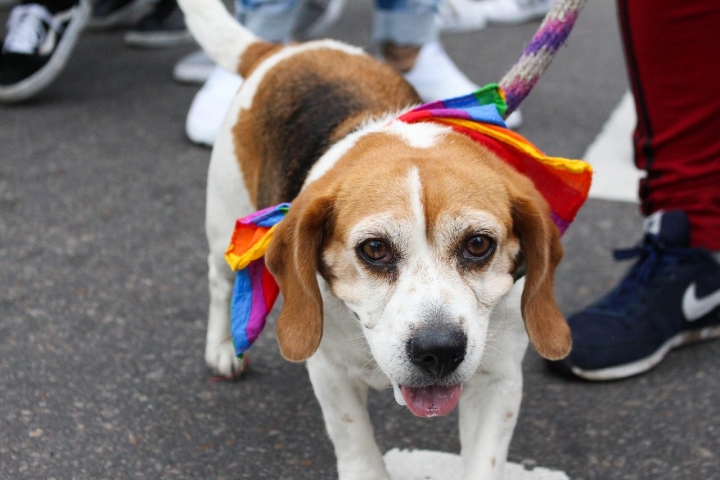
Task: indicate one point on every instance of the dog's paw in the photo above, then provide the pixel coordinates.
(222, 360)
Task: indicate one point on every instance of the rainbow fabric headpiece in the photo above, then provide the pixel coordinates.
(563, 183)
(255, 289)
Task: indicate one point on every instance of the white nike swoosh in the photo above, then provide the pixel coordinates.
(694, 308)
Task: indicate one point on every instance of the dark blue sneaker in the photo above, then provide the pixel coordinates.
(670, 297)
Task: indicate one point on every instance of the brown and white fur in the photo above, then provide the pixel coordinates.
(397, 258)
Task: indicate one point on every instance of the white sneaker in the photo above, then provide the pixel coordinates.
(194, 68)
(210, 105)
(436, 77)
(455, 16)
(512, 12)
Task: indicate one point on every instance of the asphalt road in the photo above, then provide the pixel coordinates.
(103, 296)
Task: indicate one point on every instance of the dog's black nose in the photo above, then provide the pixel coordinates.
(437, 349)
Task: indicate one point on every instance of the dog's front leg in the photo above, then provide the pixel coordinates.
(227, 200)
(489, 408)
(343, 400)
(219, 351)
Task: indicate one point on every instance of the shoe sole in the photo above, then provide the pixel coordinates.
(126, 16)
(35, 83)
(643, 365)
(157, 39)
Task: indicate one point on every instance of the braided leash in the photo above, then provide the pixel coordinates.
(541, 50)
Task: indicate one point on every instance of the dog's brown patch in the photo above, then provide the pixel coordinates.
(301, 107)
(252, 56)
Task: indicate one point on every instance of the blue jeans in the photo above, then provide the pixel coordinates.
(404, 22)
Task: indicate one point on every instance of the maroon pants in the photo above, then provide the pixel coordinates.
(672, 48)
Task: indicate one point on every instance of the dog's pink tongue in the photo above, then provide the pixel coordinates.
(432, 401)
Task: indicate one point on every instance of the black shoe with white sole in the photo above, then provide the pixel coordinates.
(36, 48)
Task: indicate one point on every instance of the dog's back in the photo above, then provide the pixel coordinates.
(296, 101)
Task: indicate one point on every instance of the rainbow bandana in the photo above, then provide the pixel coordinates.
(255, 289)
(563, 183)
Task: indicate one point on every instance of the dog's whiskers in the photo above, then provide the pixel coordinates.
(377, 373)
(498, 332)
(368, 363)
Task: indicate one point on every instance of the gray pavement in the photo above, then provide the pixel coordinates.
(103, 294)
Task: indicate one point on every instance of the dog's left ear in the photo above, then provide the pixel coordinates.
(542, 251)
(292, 258)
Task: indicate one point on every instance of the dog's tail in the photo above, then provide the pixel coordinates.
(228, 43)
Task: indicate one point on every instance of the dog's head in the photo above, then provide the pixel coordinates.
(420, 232)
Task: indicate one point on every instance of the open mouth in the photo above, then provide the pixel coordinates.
(429, 401)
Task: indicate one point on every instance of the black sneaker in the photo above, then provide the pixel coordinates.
(37, 47)
(670, 297)
(163, 27)
(110, 14)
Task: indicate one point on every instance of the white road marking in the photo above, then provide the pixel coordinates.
(611, 156)
(428, 465)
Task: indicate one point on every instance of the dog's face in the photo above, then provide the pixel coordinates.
(420, 232)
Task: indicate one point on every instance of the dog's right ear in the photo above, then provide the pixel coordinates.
(541, 249)
(292, 257)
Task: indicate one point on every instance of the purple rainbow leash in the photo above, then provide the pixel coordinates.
(539, 53)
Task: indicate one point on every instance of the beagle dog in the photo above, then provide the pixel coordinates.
(397, 260)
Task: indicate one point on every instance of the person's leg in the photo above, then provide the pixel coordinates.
(671, 296)
(402, 27)
(272, 20)
(674, 77)
(407, 33)
(41, 36)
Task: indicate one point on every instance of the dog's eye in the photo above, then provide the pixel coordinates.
(478, 247)
(376, 251)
